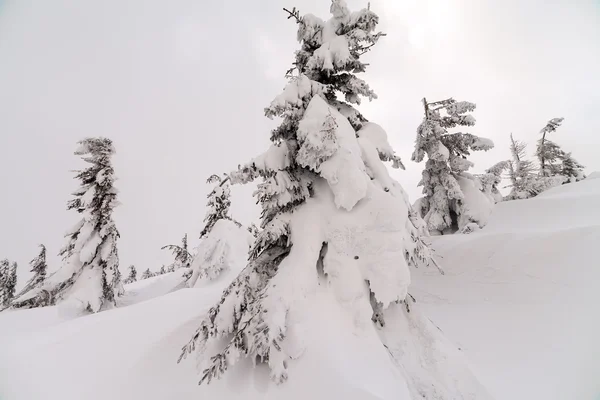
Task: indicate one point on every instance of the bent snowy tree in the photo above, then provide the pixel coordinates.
(331, 215)
(89, 274)
(38, 267)
(443, 207)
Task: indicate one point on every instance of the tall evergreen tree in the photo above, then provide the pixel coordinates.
(325, 157)
(131, 276)
(447, 160)
(183, 258)
(38, 267)
(90, 260)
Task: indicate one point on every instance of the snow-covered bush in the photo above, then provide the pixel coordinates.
(89, 274)
(331, 215)
(444, 202)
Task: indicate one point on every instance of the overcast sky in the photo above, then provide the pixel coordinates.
(180, 88)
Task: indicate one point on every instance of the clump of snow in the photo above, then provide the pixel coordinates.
(222, 253)
(476, 206)
(344, 170)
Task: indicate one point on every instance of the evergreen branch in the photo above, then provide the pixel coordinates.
(294, 14)
(176, 249)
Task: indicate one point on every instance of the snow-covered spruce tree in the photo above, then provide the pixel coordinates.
(38, 267)
(491, 179)
(570, 168)
(218, 203)
(8, 282)
(444, 201)
(146, 274)
(553, 160)
(183, 258)
(330, 211)
(131, 276)
(89, 274)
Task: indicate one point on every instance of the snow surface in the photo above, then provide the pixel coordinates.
(477, 207)
(520, 297)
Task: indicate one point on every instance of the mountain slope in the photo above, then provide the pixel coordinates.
(520, 296)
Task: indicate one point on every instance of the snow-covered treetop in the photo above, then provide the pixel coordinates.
(498, 168)
(552, 125)
(325, 66)
(97, 193)
(218, 203)
(434, 139)
(38, 264)
(183, 258)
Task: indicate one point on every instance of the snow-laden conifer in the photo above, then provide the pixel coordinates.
(492, 178)
(131, 275)
(444, 201)
(224, 244)
(146, 274)
(38, 268)
(525, 180)
(89, 275)
(218, 203)
(8, 282)
(183, 258)
(554, 161)
(330, 211)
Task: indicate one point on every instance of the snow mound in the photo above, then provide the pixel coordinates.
(150, 288)
(594, 175)
(520, 296)
(222, 254)
(477, 207)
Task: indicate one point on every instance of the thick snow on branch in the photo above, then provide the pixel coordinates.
(344, 170)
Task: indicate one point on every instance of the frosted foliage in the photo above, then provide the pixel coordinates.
(225, 248)
(331, 215)
(447, 162)
(344, 168)
(89, 276)
(377, 135)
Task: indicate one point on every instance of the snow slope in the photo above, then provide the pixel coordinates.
(520, 297)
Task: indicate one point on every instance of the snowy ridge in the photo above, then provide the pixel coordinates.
(520, 296)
